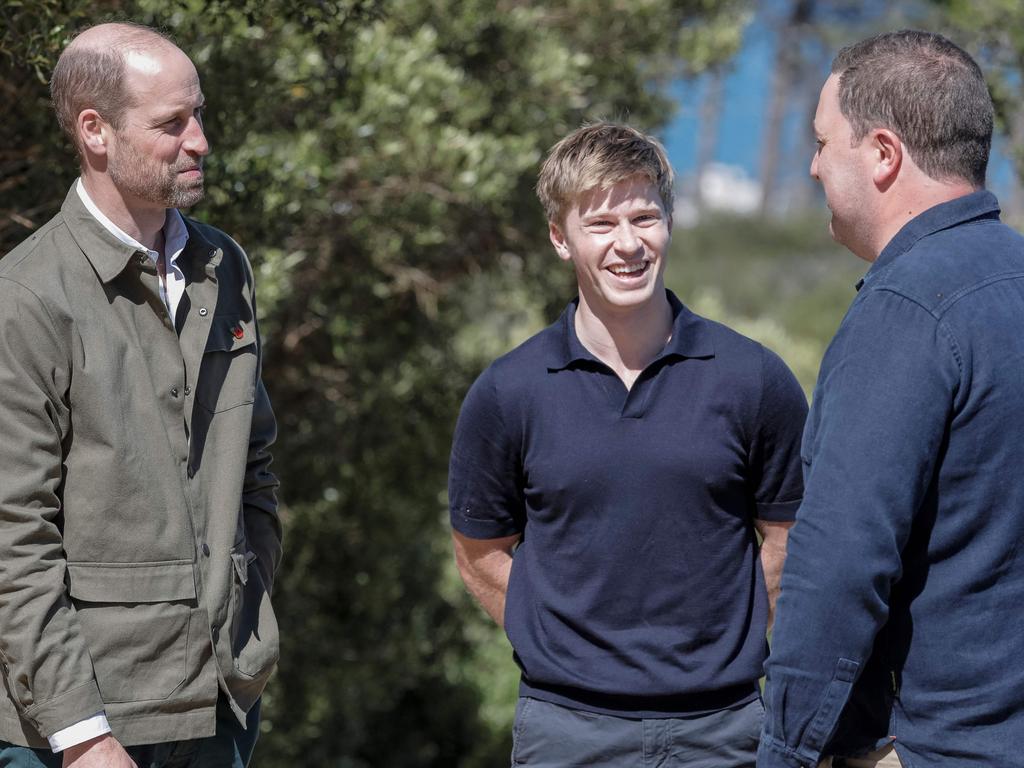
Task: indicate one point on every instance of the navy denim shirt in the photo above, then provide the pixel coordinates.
(902, 608)
(636, 590)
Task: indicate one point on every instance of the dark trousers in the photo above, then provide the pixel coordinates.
(547, 735)
(230, 747)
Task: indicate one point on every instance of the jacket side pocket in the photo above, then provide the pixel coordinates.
(255, 644)
(135, 619)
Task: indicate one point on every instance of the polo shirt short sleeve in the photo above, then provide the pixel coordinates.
(485, 483)
(776, 479)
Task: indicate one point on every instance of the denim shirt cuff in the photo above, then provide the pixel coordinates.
(774, 754)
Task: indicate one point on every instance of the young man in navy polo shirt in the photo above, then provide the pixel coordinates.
(607, 478)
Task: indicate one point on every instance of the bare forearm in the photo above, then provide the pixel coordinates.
(773, 557)
(489, 586)
(485, 566)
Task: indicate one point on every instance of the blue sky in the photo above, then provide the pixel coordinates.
(740, 135)
(746, 88)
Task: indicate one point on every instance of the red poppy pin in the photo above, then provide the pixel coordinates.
(237, 332)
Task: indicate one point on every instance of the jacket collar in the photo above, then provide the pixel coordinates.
(109, 255)
(691, 337)
(977, 205)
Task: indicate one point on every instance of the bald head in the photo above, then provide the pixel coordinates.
(93, 72)
(121, 35)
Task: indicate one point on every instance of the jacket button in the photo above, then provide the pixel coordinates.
(174, 391)
(188, 390)
(141, 258)
(206, 549)
(203, 311)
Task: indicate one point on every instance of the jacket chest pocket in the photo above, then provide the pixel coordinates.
(227, 375)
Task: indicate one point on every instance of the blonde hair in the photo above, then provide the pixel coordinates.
(597, 156)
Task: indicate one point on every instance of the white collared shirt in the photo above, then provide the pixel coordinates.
(175, 239)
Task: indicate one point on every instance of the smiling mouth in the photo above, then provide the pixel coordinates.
(633, 269)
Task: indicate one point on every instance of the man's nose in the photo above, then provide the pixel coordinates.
(195, 139)
(627, 241)
(814, 167)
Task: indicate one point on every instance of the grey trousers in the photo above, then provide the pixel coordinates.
(547, 735)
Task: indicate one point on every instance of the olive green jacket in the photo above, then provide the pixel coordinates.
(139, 534)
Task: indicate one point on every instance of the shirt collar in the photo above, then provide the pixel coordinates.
(175, 232)
(691, 337)
(977, 205)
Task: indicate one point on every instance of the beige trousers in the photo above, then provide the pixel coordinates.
(882, 758)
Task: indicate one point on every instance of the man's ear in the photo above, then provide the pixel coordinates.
(93, 132)
(558, 240)
(889, 157)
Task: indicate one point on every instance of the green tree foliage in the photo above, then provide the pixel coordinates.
(377, 159)
(784, 282)
(34, 168)
(993, 31)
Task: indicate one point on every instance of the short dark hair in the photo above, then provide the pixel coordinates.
(93, 77)
(597, 156)
(926, 90)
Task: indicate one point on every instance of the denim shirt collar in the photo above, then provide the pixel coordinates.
(977, 205)
(691, 337)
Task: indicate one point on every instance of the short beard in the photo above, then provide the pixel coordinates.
(130, 173)
(176, 195)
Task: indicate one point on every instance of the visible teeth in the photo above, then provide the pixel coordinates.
(628, 269)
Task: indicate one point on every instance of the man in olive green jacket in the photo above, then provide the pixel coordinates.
(139, 534)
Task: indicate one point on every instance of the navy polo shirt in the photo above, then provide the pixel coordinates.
(636, 589)
(901, 610)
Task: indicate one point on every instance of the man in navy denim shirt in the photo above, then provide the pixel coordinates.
(900, 621)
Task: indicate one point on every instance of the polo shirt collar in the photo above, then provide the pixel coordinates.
(691, 337)
(977, 205)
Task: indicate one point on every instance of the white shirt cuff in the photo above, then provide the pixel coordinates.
(83, 730)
